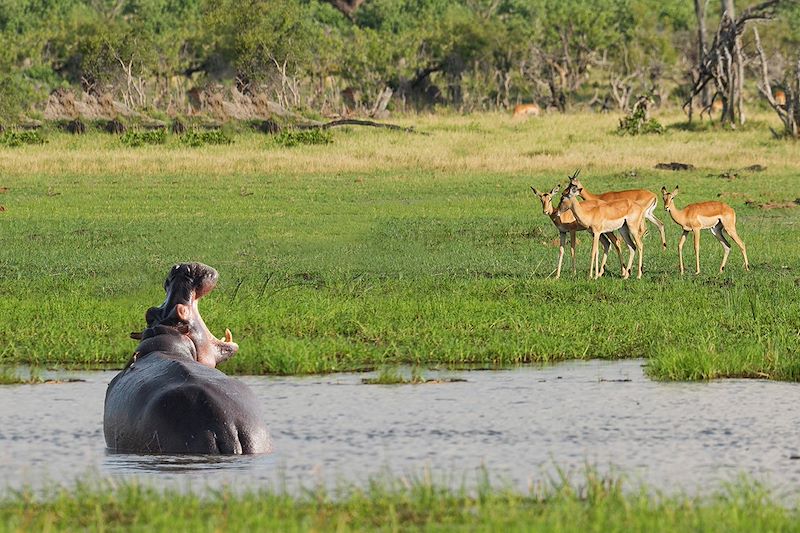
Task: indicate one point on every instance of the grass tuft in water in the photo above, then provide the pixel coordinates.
(13, 377)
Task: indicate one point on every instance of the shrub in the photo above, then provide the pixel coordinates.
(139, 138)
(288, 138)
(200, 138)
(18, 138)
(637, 123)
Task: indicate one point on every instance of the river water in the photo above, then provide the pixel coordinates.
(519, 425)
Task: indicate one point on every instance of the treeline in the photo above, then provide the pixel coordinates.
(175, 57)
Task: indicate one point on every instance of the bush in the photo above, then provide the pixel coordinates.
(636, 123)
(200, 138)
(288, 138)
(139, 138)
(18, 138)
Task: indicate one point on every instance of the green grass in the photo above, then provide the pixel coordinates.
(12, 377)
(387, 248)
(596, 504)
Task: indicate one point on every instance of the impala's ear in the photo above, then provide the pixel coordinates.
(555, 190)
(675, 192)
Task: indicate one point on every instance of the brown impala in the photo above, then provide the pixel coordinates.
(718, 217)
(646, 199)
(565, 222)
(603, 217)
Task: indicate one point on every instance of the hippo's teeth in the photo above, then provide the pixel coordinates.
(228, 336)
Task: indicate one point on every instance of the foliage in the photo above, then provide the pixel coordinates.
(135, 138)
(196, 138)
(19, 138)
(466, 54)
(289, 138)
(637, 123)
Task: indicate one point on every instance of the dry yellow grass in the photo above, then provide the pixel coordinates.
(488, 143)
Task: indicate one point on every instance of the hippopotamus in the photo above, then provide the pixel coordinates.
(170, 398)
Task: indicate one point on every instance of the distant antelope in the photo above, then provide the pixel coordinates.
(603, 217)
(646, 199)
(526, 110)
(715, 216)
(565, 222)
(715, 107)
(780, 97)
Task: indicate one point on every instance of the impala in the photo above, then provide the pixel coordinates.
(720, 218)
(603, 217)
(526, 110)
(646, 199)
(565, 222)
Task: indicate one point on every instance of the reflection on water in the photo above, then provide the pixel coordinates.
(517, 424)
(117, 463)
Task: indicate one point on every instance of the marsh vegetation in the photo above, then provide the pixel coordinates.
(386, 248)
(595, 503)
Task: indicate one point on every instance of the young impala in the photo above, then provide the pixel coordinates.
(716, 216)
(565, 222)
(646, 199)
(603, 217)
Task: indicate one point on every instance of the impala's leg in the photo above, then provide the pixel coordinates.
(680, 248)
(717, 232)
(625, 231)
(572, 250)
(640, 246)
(615, 241)
(593, 263)
(605, 243)
(562, 235)
(660, 225)
(696, 250)
(730, 227)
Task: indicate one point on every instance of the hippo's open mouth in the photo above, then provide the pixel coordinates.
(185, 285)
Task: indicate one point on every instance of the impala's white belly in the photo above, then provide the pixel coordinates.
(706, 222)
(613, 224)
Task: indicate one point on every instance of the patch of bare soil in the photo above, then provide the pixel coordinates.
(674, 166)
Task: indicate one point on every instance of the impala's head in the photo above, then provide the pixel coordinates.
(668, 197)
(567, 197)
(573, 180)
(547, 198)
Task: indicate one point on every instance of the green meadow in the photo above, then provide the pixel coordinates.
(596, 504)
(385, 248)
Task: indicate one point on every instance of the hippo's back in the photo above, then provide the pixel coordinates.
(163, 404)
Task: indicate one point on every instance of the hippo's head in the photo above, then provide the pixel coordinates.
(185, 285)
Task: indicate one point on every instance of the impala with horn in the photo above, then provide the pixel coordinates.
(604, 217)
(646, 199)
(565, 223)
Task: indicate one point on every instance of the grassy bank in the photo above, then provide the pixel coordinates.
(386, 247)
(595, 505)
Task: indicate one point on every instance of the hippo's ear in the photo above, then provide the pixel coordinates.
(183, 312)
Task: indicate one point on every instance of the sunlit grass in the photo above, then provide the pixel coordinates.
(597, 503)
(388, 248)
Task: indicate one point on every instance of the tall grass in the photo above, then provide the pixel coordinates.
(390, 248)
(597, 504)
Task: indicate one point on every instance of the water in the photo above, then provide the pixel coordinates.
(518, 424)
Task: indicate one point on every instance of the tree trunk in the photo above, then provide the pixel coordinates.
(735, 105)
(702, 43)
